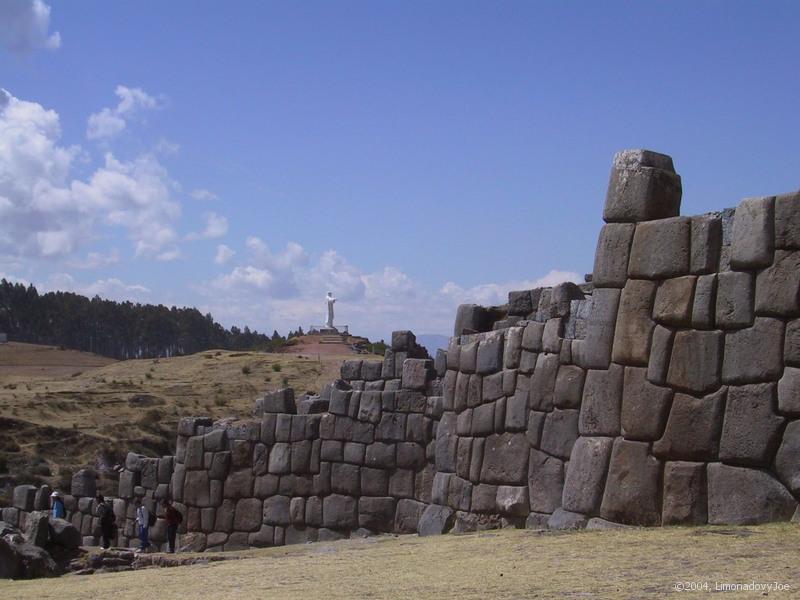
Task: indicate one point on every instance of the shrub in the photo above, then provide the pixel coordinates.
(148, 375)
(245, 370)
(220, 401)
(276, 367)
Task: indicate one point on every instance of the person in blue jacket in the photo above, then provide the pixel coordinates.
(58, 511)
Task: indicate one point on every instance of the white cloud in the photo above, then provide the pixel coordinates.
(96, 260)
(203, 194)
(110, 289)
(24, 26)
(216, 226)
(224, 254)
(492, 294)
(109, 122)
(45, 214)
(166, 147)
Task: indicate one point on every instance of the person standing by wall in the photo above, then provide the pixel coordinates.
(57, 508)
(143, 525)
(174, 518)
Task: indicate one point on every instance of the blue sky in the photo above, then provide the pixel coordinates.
(245, 157)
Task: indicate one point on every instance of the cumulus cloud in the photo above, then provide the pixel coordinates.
(110, 289)
(224, 254)
(44, 213)
(216, 226)
(497, 293)
(25, 26)
(109, 122)
(203, 194)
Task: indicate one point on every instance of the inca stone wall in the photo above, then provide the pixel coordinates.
(666, 390)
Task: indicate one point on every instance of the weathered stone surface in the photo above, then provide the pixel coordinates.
(280, 458)
(705, 301)
(740, 496)
(645, 406)
(685, 497)
(787, 221)
(660, 352)
(778, 286)
(660, 249)
(505, 459)
(490, 354)
(586, 475)
(695, 361)
(611, 256)
(282, 400)
(545, 482)
(751, 430)
(512, 350)
(239, 484)
(643, 186)
(753, 236)
(792, 344)
(520, 303)
(693, 428)
(196, 489)
(517, 411)
(512, 500)
(407, 515)
(446, 442)
(436, 520)
(376, 514)
(532, 337)
(564, 519)
(754, 354)
(633, 485)
(84, 483)
(560, 432)
(471, 318)
(65, 534)
(569, 386)
(789, 392)
(734, 300)
(787, 460)
(346, 479)
(415, 373)
(23, 497)
(673, 303)
(552, 335)
(276, 510)
(459, 493)
(403, 341)
(248, 515)
(706, 242)
(262, 538)
(543, 382)
(594, 351)
(602, 399)
(634, 325)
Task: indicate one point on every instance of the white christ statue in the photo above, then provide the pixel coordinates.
(330, 299)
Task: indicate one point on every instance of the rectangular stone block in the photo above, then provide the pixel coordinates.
(645, 406)
(594, 351)
(753, 238)
(787, 221)
(705, 244)
(673, 303)
(602, 400)
(695, 363)
(660, 249)
(633, 488)
(705, 301)
(685, 497)
(611, 256)
(643, 185)
(754, 354)
(586, 475)
(634, 325)
(778, 286)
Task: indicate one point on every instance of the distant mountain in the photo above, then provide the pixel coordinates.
(433, 341)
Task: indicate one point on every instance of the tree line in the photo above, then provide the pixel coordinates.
(120, 330)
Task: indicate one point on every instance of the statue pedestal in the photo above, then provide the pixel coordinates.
(328, 331)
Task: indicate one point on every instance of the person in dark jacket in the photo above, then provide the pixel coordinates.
(174, 518)
(107, 518)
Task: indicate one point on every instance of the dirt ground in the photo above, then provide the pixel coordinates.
(61, 410)
(622, 564)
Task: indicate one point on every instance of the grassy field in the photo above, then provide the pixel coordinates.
(61, 409)
(636, 563)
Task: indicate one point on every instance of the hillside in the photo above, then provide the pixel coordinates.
(61, 409)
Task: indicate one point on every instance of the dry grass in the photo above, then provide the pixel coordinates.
(503, 564)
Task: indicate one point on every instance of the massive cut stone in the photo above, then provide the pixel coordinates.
(415, 373)
(543, 382)
(65, 534)
(569, 387)
(693, 428)
(792, 345)
(734, 300)
(490, 354)
(778, 286)
(750, 433)
(196, 489)
(705, 300)
(695, 361)
(602, 397)
(586, 474)
(532, 337)
(239, 484)
(248, 515)
(471, 318)
(645, 406)
(446, 443)
(739, 496)
(282, 400)
(512, 350)
(632, 492)
(660, 351)
(563, 519)
(517, 411)
(552, 336)
(436, 520)
(643, 186)
(339, 512)
(403, 341)
(611, 256)
(706, 242)
(23, 497)
(519, 303)
(545, 482)
(685, 498)
(634, 325)
(753, 234)
(377, 514)
(787, 460)
(512, 500)
(505, 459)
(789, 392)
(673, 304)
(84, 483)
(594, 351)
(408, 515)
(787, 221)
(754, 354)
(660, 249)
(560, 432)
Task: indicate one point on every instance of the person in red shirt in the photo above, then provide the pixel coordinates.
(174, 518)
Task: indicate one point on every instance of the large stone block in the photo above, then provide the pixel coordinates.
(569, 386)
(564, 520)
(660, 352)
(673, 303)
(753, 238)
(787, 460)
(545, 482)
(84, 483)
(279, 401)
(560, 432)
(239, 484)
(196, 489)
(512, 349)
(490, 354)
(280, 459)
(740, 496)
(543, 382)
(376, 514)
(634, 325)
(415, 373)
(645, 406)
(339, 512)
(705, 302)
(23, 497)
(751, 431)
(611, 256)
(436, 520)
(706, 242)
(602, 399)
(789, 392)
(754, 354)
(512, 500)
(660, 249)
(778, 286)
(633, 487)
(276, 510)
(248, 515)
(532, 337)
(695, 361)
(792, 344)
(594, 351)
(407, 515)
(471, 318)
(685, 497)
(520, 303)
(505, 459)
(517, 411)
(643, 186)
(734, 300)
(586, 474)
(787, 221)
(693, 428)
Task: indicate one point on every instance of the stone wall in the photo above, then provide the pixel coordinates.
(666, 390)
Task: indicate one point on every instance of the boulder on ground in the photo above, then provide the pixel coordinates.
(436, 520)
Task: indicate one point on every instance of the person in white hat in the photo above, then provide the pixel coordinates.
(58, 511)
